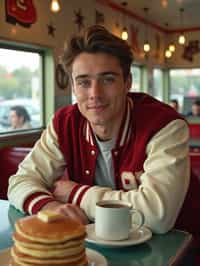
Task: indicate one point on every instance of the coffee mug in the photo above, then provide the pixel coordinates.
(116, 219)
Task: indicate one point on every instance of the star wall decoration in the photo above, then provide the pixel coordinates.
(79, 19)
(190, 50)
(51, 29)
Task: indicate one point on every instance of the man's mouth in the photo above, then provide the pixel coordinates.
(97, 107)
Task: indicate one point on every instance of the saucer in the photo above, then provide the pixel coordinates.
(94, 257)
(137, 237)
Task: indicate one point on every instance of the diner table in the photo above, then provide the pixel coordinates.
(161, 250)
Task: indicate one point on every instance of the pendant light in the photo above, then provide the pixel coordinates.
(168, 52)
(146, 46)
(55, 6)
(181, 38)
(172, 47)
(124, 34)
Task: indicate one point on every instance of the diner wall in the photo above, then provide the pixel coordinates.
(37, 33)
(92, 11)
(116, 18)
(65, 26)
(193, 57)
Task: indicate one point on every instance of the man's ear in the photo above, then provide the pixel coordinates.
(72, 85)
(129, 82)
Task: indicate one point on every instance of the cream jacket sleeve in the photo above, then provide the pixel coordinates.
(164, 182)
(38, 171)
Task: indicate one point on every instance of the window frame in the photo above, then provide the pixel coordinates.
(47, 99)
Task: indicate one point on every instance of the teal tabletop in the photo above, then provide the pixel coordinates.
(5, 228)
(160, 250)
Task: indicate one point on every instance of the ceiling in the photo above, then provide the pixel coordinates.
(166, 13)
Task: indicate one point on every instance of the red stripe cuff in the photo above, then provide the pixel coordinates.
(77, 193)
(78, 202)
(39, 204)
(73, 192)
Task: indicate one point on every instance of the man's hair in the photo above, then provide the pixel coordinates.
(174, 101)
(196, 102)
(97, 39)
(21, 112)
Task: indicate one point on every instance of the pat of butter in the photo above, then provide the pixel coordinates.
(48, 216)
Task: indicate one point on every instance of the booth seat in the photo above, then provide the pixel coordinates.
(10, 157)
(194, 130)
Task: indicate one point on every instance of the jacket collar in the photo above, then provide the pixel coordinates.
(125, 129)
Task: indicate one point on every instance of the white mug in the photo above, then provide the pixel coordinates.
(115, 219)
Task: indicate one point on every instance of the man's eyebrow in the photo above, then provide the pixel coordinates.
(99, 74)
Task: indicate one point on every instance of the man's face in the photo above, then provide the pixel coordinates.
(99, 87)
(174, 105)
(15, 120)
(196, 110)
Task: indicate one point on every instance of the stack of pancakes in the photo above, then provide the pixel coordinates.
(55, 242)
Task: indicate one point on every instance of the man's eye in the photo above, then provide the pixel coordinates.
(108, 80)
(83, 83)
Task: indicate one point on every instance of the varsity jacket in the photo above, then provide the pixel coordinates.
(150, 160)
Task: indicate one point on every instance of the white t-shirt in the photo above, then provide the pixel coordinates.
(104, 173)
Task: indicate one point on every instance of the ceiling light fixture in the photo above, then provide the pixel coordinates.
(124, 34)
(168, 53)
(146, 46)
(181, 38)
(170, 47)
(55, 6)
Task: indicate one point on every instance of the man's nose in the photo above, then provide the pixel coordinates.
(96, 88)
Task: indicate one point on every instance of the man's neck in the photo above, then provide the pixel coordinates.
(109, 130)
(104, 132)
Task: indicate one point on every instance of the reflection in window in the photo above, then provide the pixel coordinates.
(136, 72)
(20, 90)
(158, 84)
(185, 87)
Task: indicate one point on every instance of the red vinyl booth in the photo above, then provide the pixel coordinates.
(10, 157)
(194, 131)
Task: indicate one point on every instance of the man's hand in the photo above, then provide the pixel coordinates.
(62, 189)
(69, 210)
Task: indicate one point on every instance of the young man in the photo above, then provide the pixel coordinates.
(112, 144)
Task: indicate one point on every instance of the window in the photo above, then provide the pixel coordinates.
(158, 84)
(185, 87)
(21, 89)
(136, 72)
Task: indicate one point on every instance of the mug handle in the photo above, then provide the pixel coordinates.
(137, 226)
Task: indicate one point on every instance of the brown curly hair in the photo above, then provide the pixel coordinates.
(97, 39)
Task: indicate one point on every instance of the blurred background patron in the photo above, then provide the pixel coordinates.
(174, 104)
(19, 118)
(195, 109)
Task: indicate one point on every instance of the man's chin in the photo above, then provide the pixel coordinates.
(97, 122)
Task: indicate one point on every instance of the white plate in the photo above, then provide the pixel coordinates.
(94, 258)
(135, 238)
